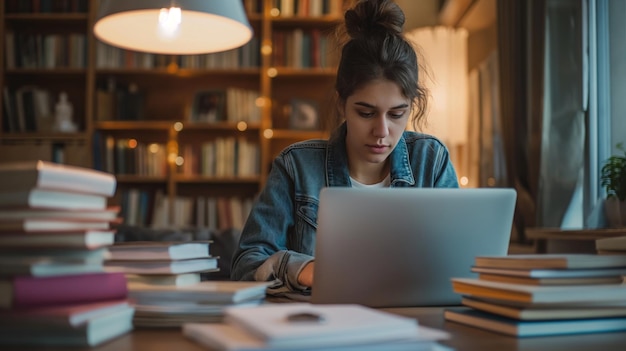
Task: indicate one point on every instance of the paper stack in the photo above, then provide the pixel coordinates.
(303, 326)
(54, 230)
(544, 294)
(164, 283)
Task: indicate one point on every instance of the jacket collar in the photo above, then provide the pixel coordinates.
(337, 173)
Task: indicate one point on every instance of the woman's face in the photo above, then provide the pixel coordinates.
(376, 116)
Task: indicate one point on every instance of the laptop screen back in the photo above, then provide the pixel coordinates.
(399, 247)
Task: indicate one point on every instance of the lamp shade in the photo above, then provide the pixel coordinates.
(200, 26)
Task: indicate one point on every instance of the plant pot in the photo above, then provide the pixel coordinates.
(615, 211)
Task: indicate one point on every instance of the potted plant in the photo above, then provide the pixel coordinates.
(613, 179)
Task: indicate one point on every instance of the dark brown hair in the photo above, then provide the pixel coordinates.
(374, 48)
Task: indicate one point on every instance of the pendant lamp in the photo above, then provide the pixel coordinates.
(175, 27)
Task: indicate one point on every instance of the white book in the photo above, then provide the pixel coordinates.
(47, 267)
(521, 328)
(49, 225)
(162, 266)
(552, 261)
(92, 332)
(51, 199)
(553, 273)
(208, 292)
(110, 214)
(158, 250)
(89, 239)
(48, 175)
(538, 294)
(163, 279)
(228, 337)
(288, 325)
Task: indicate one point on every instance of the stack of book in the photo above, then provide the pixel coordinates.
(54, 230)
(304, 326)
(544, 294)
(166, 287)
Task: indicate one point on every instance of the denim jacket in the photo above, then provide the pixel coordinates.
(278, 239)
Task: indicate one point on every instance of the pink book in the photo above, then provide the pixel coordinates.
(26, 291)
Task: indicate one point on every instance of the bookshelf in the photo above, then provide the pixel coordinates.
(173, 129)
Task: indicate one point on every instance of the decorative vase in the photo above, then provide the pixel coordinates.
(615, 211)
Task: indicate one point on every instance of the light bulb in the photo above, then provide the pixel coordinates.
(169, 22)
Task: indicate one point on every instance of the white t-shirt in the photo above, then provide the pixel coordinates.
(383, 184)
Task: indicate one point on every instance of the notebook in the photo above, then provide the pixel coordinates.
(400, 247)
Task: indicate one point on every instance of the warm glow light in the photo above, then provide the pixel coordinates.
(241, 126)
(259, 102)
(178, 126)
(274, 12)
(179, 161)
(464, 181)
(268, 133)
(132, 143)
(169, 23)
(272, 72)
(153, 148)
(192, 27)
(266, 49)
(172, 157)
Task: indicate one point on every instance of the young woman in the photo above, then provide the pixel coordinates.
(377, 93)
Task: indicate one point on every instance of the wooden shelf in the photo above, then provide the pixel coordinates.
(169, 93)
(134, 125)
(129, 178)
(44, 136)
(179, 178)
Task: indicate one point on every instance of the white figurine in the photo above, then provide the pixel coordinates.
(63, 115)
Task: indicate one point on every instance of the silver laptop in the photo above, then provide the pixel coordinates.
(399, 247)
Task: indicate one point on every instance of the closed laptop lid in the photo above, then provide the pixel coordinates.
(398, 247)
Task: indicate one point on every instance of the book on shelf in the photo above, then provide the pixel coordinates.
(92, 332)
(551, 261)
(227, 337)
(48, 175)
(546, 311)
(109, 214)
(38, 225)
(184, 279)
(304, 325)
(25, 291)
(538, 294)
(52, 199)
(525, 328)
(205, 292)
(553, 273)
(162, 266)
(615, 279)
(614, 244)
(159, 250)
(88, 239)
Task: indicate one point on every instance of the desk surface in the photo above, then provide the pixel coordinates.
(463, 338)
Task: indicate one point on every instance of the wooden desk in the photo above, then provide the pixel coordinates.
(554, 240)
(463, 338)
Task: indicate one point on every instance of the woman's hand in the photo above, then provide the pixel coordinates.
(306, 275)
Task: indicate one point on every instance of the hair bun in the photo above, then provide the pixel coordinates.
(374, 18)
